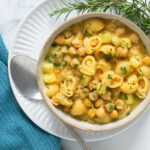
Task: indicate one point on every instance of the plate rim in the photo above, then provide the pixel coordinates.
(19, 103)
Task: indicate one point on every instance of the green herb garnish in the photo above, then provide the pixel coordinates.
(100, 85)
(55, 55)
(92, 105)
(54, 44)
(124, 70)
(49, 60)
(108, 56)
(73, 100)
(77, 55)
(125, 96)
(75, 66)
(112, 96)
(135, 10)
(102, 33)
(67, 46)
(82, 77)
(93, 83)
(88, 33)
(57, 64)
(64, 63)
(106, 92)
(141, 72)
(109, 76)
(111, 107)
(93, 95)
(128, 113)
(86, 93)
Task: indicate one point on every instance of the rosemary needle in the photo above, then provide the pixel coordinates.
(138, 11)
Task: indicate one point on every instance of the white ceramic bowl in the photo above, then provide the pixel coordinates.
(68, 119)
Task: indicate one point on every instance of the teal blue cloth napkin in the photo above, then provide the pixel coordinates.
(17, 132)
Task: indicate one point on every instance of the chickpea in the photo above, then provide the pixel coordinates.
(84, 93)
(106, 96)
(67, 59)
(93, 85)
(60, 39)
(77, 43)
(100, 112)
(122, 52)
(134, 38)
(91, 113)
(99, 103)
(64, 49)
(75, 63)
(109, 107)
(120, 31)
(146, 60)
(87, 103)
(114, 114)
(67, 34)
(81, 51)
(79, 35)
(120, 104)
(93, 96)
(72, 51)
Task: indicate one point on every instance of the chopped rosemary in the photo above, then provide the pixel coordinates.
(100, 85)
(88, 33)
(55, 55)
(64, 63)
(128, 113)
(106, 92)
(108, 56)
(77, 55)
(82, 77)
(111, 107)
(125, 96)
(93, 95)
(75, 66)
(67, 46)
(102, 33)
(141, 72)
(49, 60)
(93, 83)
(86, 93)
(135, 10)
(57, 64)
(109, 76)
(73, 100)
(54, 44)
(92, 105)
(124, 70)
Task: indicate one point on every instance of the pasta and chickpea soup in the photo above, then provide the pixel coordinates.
(97, 70)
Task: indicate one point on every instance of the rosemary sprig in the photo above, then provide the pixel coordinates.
(138, 11)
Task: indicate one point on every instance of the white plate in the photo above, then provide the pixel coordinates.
(30, 37)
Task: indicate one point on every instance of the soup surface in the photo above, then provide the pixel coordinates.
(97, 71)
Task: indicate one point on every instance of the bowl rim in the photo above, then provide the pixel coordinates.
(40, 59)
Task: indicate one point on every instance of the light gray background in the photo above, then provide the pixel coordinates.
(135, 138)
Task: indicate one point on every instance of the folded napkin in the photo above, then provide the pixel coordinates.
(17, 132)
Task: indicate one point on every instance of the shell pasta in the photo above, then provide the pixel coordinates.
(97, 73)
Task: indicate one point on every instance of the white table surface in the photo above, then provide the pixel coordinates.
(135, 138)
